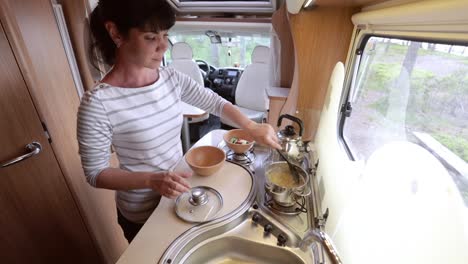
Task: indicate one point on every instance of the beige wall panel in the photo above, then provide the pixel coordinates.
(341, 3)
(276, 104)
(280, 23)
(77, 24)
(321, 39)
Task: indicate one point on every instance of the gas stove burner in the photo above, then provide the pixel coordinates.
(299, 207)
(247, 158)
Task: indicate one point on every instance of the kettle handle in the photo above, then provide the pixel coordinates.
(294, 119)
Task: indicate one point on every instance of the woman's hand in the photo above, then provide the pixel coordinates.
(263, 134)
(169, 184)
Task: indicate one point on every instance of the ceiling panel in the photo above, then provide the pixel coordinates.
(358, 3)
(224, 6)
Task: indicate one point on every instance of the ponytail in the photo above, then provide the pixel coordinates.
(102, 48)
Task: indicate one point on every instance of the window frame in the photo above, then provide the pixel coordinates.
(356, 50)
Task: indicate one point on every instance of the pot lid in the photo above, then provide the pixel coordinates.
(200, 204)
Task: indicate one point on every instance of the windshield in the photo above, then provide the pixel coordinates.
(235, 50)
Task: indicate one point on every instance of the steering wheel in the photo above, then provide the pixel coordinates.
(205, 74)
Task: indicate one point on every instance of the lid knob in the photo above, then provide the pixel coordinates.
(289, 131)
(294, 119)
(198, 197)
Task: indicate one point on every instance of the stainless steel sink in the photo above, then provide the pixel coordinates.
(242, 240)
(231, 249)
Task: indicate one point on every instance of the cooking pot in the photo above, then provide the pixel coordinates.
(283, 189)
(291, 142)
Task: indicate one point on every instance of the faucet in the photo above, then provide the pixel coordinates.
(319, 236)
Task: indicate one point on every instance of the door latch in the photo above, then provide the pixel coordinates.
(347, 109)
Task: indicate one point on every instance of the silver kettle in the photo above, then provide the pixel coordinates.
(291, 142)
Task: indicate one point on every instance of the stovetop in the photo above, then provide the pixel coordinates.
(298, 217)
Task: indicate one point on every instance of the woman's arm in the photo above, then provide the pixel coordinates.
(195, 94)
(262, 133)
(169, 184)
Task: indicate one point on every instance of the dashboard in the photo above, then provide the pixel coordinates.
(225, 76)
(225, 81)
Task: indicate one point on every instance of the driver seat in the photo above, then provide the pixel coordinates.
(182, 60)
(251, 97)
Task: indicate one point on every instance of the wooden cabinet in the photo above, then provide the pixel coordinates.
(321, 38)
(50, 213)
(40, 220)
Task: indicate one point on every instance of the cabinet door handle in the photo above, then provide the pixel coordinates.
(34, 148)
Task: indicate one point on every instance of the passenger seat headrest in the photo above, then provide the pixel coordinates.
(261, 54)
(181, 51)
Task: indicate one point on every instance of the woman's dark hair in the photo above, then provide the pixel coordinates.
(147, 15)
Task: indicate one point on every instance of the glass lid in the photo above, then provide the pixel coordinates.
(200, 204)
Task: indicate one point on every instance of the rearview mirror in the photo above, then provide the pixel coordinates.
(215, 38)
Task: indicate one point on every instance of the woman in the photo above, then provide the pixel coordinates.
(135, 109)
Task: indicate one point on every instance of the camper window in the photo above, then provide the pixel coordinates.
(414, 91)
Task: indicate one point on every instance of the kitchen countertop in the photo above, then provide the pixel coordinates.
(192, 111)
(277, 92)
(163, 226)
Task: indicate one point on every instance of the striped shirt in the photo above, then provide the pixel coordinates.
(143, 125)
